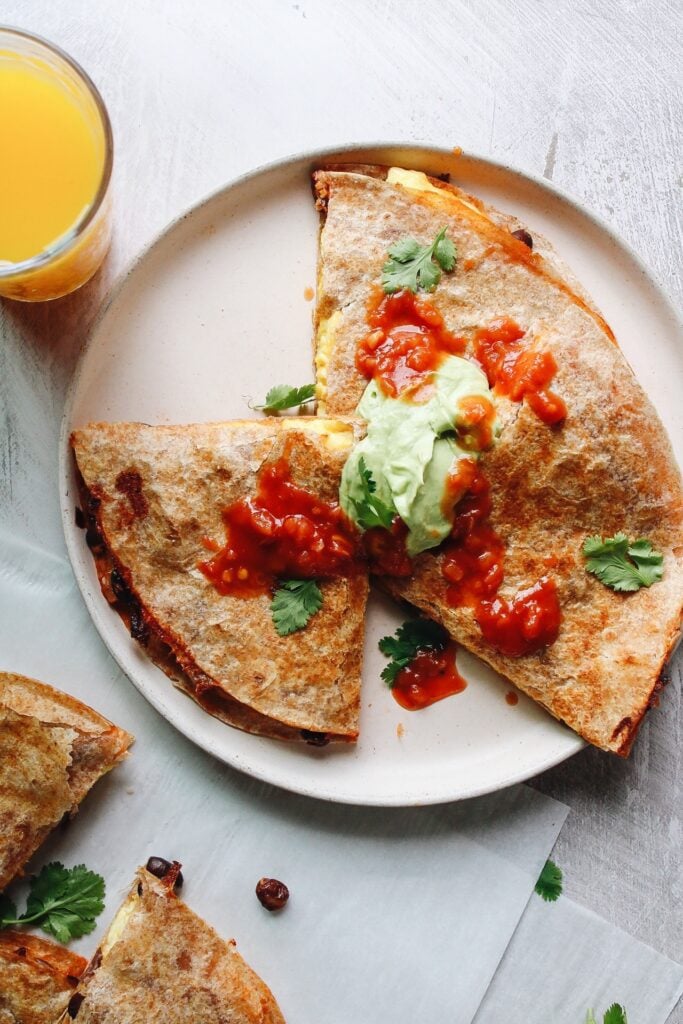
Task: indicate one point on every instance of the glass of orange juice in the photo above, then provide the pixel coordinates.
(56, 154)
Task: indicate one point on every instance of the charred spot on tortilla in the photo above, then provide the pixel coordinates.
(129, 482)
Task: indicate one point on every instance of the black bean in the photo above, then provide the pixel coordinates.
(523, 236)
(271, 893)
(119, 586)
(139, 630)
(159, 867)
(94, 541)
(79, 518)
(75, 1004)
(315, 739)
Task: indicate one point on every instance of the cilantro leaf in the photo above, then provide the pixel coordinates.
(284, 396)
(622, 564)
(444, 251)
(294, 602)
(63, 901)
(413, 266)
(615, 1015)
(549, 884)
(8, 911)
(370, 510)
(411, 638)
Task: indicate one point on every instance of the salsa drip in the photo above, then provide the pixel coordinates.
(284, 531)
(406, 343)
(430, 676)
(385, 550)
(474, 567)
(516, 371)
(477, 415)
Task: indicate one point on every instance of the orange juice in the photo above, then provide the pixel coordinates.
(55, 159)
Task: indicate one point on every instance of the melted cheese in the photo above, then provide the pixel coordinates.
(118, 925)
(336, 433)
(417, 181)
(327, 333)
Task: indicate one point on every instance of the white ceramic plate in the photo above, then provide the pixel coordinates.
(212, 315)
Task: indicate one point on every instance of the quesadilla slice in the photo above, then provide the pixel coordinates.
(37, 978)
(223, 546)
(53, 749)
(159, 962)
(536, 503)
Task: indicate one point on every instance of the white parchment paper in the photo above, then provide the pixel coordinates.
(395, 915)
(564, 960)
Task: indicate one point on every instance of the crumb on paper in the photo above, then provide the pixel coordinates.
(457, 150)
(309, 293)
(512, 698)
(400, 730)
(130, 791)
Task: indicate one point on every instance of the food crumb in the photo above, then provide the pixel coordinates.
(512, 698)
(308, 293)
(457, 150)
(400, 730)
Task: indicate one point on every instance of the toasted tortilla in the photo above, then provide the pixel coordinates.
(53, 749)
(608, 468)
(37, 978)
(161, 964)
(223, 650)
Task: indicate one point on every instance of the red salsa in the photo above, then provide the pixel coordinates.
(386, 550)
(529, 621)
(284, 531)
(407, 341)
(474, 556)
(516, 371)
(474, 568)
(429, 677)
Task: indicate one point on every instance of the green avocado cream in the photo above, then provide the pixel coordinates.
(410, 449)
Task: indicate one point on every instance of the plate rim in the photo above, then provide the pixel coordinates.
(335, 793)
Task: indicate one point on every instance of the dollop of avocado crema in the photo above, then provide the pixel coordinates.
(411, 449)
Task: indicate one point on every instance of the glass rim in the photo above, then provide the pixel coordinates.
(66, 240)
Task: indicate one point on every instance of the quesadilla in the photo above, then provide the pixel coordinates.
(37, 978)
(159, 962)
(538, 428)
(193, 529)
(53, 749)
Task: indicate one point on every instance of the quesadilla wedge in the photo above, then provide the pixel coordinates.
(572, 448)
(53, 749)
(37, 978)
(188, 525)
(161, 964)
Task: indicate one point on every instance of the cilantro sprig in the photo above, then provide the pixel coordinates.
(412, 637)
(64, 902)
(549, 884)
(370, 510)
(622, 564)
(413, 266)
(615, 1015)
(294, 603)
(284, 396)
